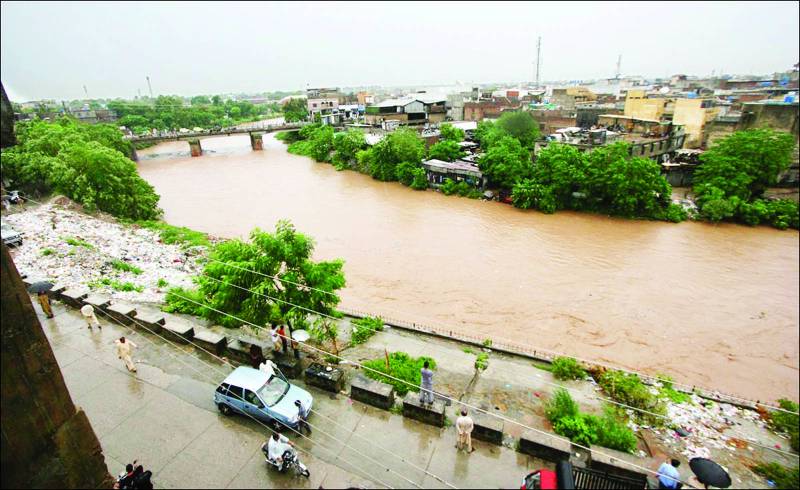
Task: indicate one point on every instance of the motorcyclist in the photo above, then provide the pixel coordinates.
(277, 446)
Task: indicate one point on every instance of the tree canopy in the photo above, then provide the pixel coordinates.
(520, 125)
(451, 133)
(447, 150)
(735, 173)
(87, 163)
(295, 110)
(298, 284)
(505, 163)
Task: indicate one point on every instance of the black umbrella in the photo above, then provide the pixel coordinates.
(40, 287)
(710, 473)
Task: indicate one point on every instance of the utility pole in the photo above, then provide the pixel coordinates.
(85, 91)
(619, 66)
(149, 86)
(538, 59)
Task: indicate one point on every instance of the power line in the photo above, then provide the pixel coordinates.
(452, 400)
(665, 417)
(610, 366)
(587, 361)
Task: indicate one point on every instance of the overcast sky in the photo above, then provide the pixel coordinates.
(50, 50)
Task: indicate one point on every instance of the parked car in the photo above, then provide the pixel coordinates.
(10, 236)
(250, 392)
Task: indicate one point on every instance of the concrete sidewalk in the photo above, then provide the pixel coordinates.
(164, 417)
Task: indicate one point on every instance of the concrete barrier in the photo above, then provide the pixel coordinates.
(544, 447)
(430, 414)
(57, 289)
(211, 341)
(150, 320)
(372, 392)
(487, 429)
(74, 297)
(98, 302)
(289, 366)
(238, 351)
(319, 376)
(613, 462)
(178, 331)
(122, 312)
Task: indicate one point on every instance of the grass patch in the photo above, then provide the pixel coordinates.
(364, 328)
(543, 366)
(172, 235)
(629, 390)
(567, 368)
(608, 430)
(482, 362)
(401, 366)
(162, 283)
(468, 350)
(487, 343)
(46, 251)
(396, 409)
(781, 475)
(116, 285)
(77, 242)
(670, 393)
(125, 267)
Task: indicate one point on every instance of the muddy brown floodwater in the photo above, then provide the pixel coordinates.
(711, 305)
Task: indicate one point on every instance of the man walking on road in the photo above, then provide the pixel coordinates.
(91, 319)
(464, 426)
(124, 351)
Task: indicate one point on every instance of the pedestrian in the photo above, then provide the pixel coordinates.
(44, 301)
(302, 414)
(464, 426)
(91, 319)
(275, 338)
(426, 390)
(124, 350)
(282, 336)
(668, 476)
(256, 356)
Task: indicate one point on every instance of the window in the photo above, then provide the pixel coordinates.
(235, 392)
(273, 391)
(251, 397)
(222, 389)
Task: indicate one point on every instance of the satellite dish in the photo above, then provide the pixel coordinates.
(664, 90)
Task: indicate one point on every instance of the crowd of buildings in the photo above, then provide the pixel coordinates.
(668, 120)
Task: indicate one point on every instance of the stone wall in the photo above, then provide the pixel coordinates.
(46, 441)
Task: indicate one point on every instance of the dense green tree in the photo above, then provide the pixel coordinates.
(403, 145)
(451, 133)
(735, 172)
(200, 100)
(520, 125)
(347, 144)
(87, 163)
(420, 180)
(562, 170)
(505, 163)
(447, 150)
(295, 110)
(285, 283)
(487, 133)
(405, 172)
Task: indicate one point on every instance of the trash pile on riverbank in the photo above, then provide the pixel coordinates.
(127, 262)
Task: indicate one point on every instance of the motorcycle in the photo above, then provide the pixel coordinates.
(290, 460)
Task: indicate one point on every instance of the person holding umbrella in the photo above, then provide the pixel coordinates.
(710, 473)
(40, 289)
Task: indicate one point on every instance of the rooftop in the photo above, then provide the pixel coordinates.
(457, 165)
(247, 378)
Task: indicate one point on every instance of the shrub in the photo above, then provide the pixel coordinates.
(46, 251)
(405, 172)
(787, 422)
(162, 282)
(482, 362)
(172, 235)
(116, 285)
(364, 328)
(174, 303)
(781, 475)
(420, 181)
(629, 390)
(125, 267)
(468, 350)
(487, 343)
(567, 368)
(560, 406)
(401, 366)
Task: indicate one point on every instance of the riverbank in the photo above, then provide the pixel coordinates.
(710, 305)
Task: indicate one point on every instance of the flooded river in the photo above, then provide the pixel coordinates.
(711, 305)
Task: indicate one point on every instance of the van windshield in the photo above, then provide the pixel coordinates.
(272, 392)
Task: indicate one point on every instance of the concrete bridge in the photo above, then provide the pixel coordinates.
(193, 138)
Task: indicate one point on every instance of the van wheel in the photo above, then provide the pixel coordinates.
(224, 409)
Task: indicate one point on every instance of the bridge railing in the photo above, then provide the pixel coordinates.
(175, 135)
